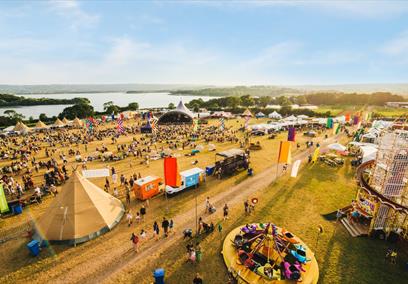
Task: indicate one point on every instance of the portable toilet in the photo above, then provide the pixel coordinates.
(147, 187)
(192, 177)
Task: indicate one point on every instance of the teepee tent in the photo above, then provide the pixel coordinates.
(21, 127)
(77, 122)
(82, 211)
(66, 121)
(40, 125)
(58, 123)
(247, 112)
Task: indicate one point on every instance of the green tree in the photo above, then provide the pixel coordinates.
(171, 106)
(11, 113)
(109, 108)
(247, 101)
(133, 106)
(264, 101)
(79, 110)
(43, 117)
(233, 102)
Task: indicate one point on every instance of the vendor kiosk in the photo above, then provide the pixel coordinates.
(147, 187)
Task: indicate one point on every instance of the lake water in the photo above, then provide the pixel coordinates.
(145, 100)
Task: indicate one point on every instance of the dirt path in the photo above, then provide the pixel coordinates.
(233, 197)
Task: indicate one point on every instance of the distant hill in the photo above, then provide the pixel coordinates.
(92, 88)
(400, 89)
(259, 91)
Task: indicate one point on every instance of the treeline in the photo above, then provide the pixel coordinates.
(378, 99)
(238, 91)
(7, 100)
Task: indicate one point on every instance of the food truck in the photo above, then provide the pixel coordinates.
(189, 178)
(147, 187)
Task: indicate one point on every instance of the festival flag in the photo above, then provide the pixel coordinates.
(120, 126)
(195, 125)
(329, 123)
(336, 128)
(295, 168)
(89, 124)
(246, 121)
(103, 118)
(153, 123)
(171, 174)
(347, 117)
(316, 154)
(113, 116)
(291, 134)
(222, 125)
(356, 119)
(3, 201)
(285, 152)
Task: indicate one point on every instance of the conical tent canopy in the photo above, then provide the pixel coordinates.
(21, 127)
(65, 120)
(77, 122)
(247, 112)
(82, 211)
(40, 124)
(58, 122)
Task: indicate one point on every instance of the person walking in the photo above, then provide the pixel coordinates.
(143, 212)
(156, 230)
(127, 197)
(171, 225)
(198, 252)
(246, 205)
(207, 205)
(197, 279)
(135, 241)
(165, 226)
(129, 218)
(225, 209)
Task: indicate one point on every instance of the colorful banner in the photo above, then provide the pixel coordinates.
(246, 121)
(3, 201)
(348, 117)
(356, 120)
(291, 134)
(222, 124)
(316, 154)
(285, 153)
(295, 168)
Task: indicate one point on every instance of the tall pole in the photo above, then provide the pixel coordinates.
(196, 214)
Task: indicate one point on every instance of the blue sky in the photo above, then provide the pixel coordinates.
(204, 42)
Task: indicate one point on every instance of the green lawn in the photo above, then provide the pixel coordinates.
(298, 205)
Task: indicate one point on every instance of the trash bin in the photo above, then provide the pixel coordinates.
(34, 247)
(17, 209)
(209, 170)
(158, 275)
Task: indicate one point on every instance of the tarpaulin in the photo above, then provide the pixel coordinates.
(171, 176)
(284, 152)
(291, 134)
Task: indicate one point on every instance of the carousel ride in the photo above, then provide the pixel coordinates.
(265, 253)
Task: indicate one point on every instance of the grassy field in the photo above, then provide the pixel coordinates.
(298, 205)
(380, 110)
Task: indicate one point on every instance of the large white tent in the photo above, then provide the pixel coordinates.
(275, 115)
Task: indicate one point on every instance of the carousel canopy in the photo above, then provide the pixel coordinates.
(81, 211)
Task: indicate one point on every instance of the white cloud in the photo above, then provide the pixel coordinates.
(72, 10)
(397, 46)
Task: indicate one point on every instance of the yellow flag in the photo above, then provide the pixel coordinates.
(316, 154)
(285, 153)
